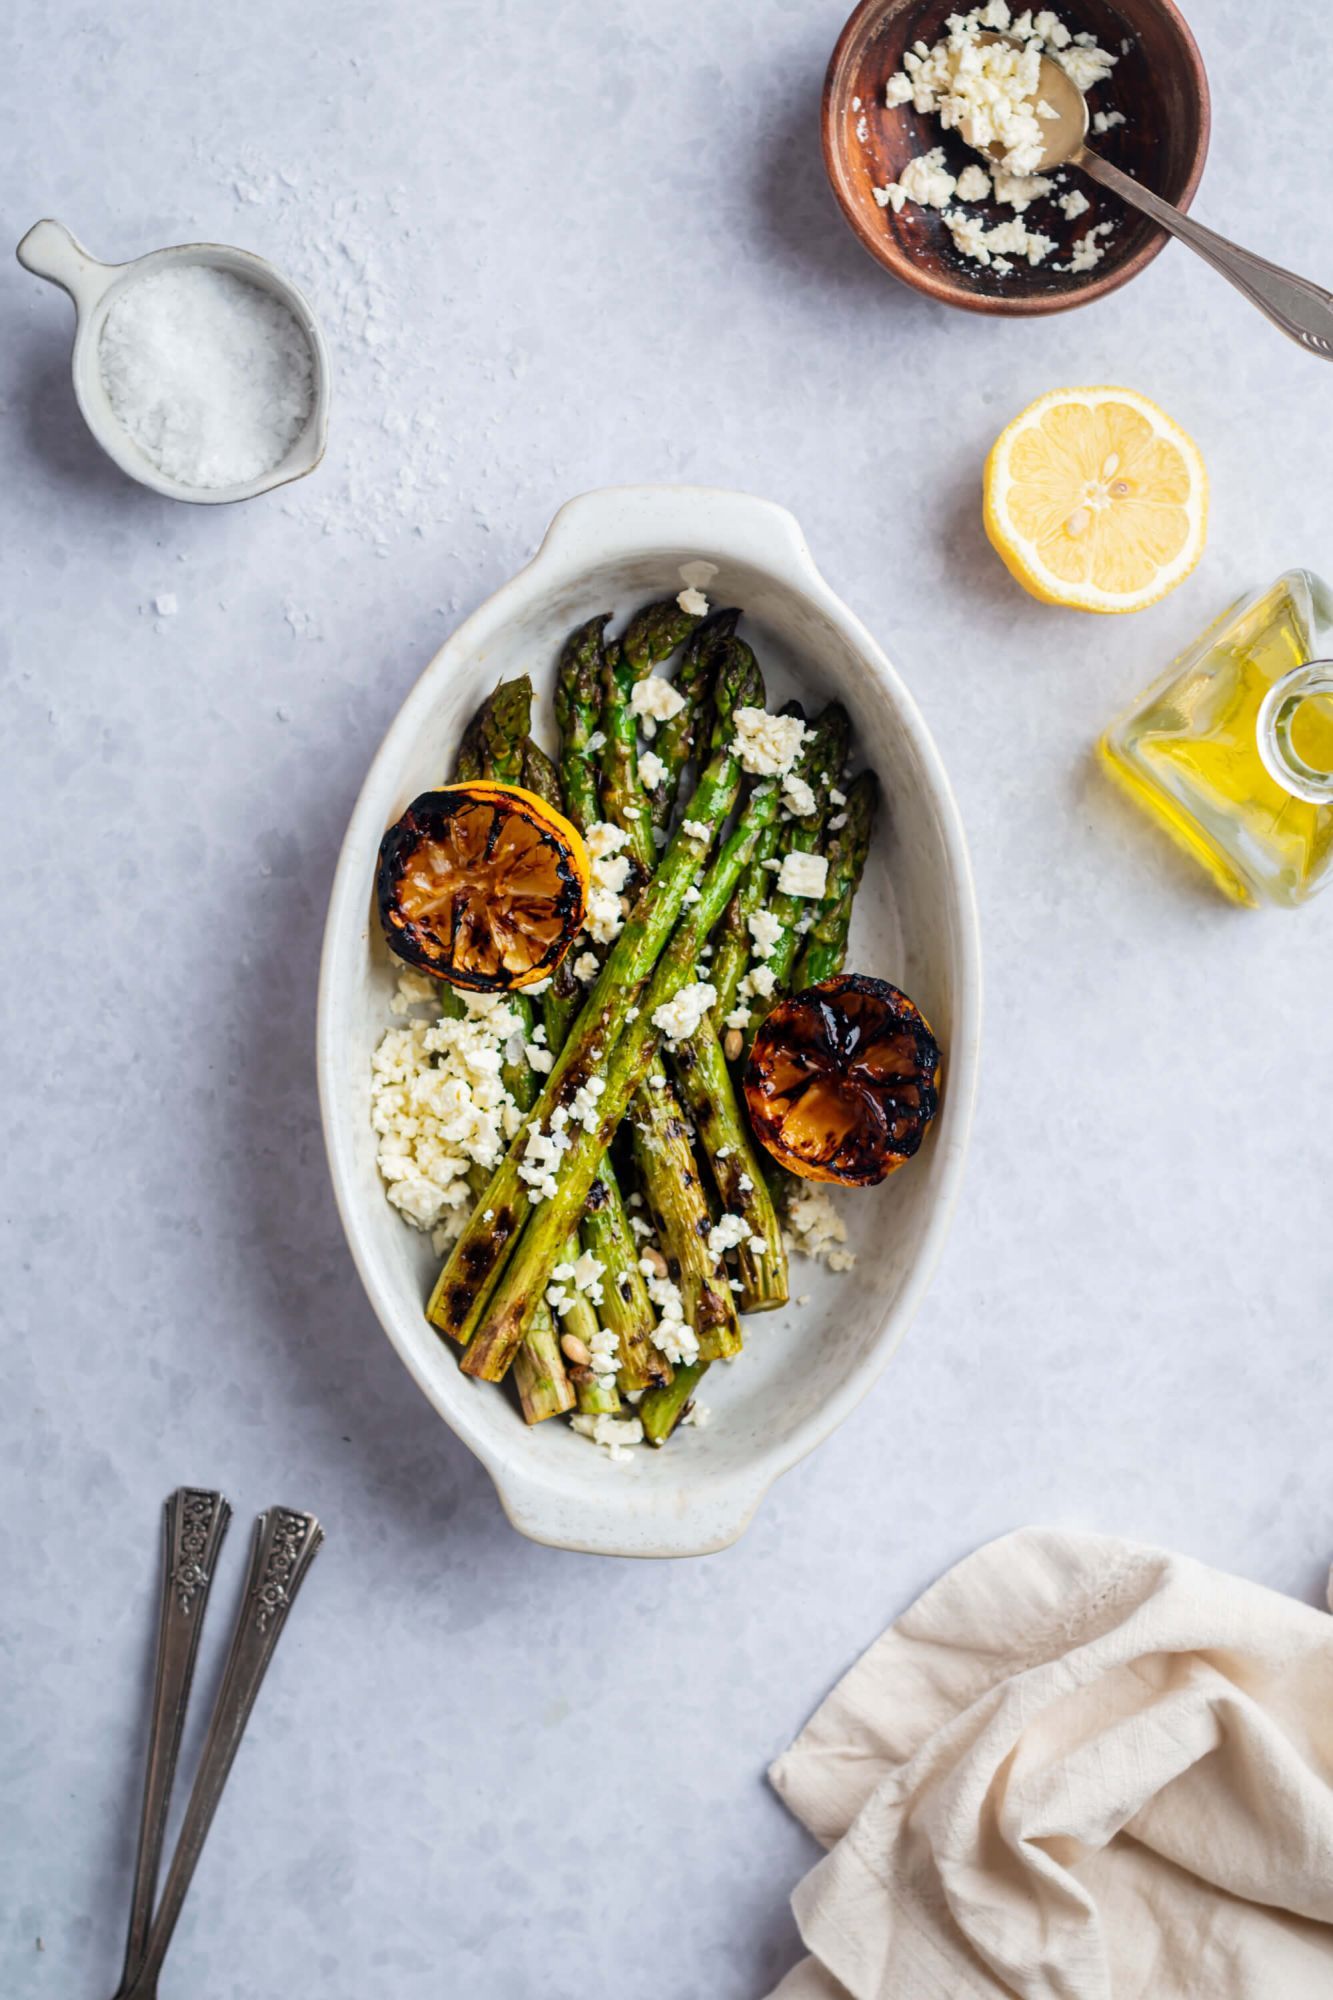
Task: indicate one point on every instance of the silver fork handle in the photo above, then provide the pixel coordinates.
(194, 1522)
(285, 1545)
(1303, 310)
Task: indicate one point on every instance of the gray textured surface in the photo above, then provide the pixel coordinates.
(601, 249)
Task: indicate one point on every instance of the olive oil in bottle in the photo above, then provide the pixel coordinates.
(1233, 749)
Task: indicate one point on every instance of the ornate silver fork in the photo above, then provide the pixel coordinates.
(194, 1522)
(285, 1544)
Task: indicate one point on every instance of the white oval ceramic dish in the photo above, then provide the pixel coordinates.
(50, 251)
(804, 1369)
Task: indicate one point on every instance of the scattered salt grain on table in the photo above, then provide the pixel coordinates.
(210, 376)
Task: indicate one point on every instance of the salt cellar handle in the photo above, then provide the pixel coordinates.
(51, 251)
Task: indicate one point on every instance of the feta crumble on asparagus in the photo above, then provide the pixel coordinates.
(655, 700)
(678, 1018)
(608, 873)
(767, 745)
(651, 769)
(803, 875)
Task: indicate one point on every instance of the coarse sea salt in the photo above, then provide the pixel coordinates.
(211, 376)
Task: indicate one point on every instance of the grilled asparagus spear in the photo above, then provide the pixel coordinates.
(520, 1290)
(461, 1292)
(651, 637)
(497, 746)
(846, 847)
(734, 942)
(678, 735)
(606, 1231)
(662, 1147)
(807, 835)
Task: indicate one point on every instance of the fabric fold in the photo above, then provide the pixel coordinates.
(1076, 1769)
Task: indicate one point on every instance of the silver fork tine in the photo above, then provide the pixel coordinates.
(286, 1543)
(194, 1522)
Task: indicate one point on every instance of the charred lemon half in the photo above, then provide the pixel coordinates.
(483, 885)
(841, 1083)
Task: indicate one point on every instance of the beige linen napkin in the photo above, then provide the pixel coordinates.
(1075, 1770)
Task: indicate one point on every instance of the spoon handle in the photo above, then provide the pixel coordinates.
(285, 1545)
(194, 1522)
(1303, 310)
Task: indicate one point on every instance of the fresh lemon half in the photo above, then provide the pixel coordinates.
(1095, 499)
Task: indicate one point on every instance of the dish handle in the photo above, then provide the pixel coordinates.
(701, 526)
(648, 1520)
(51, 251)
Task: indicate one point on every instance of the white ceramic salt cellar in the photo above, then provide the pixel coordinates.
(50, 251)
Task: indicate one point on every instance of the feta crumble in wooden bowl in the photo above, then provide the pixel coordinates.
(806, 1365)
(907, 81)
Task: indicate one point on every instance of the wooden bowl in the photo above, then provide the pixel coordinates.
(1159, 83)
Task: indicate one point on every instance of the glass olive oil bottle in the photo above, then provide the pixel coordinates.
(1233, 748)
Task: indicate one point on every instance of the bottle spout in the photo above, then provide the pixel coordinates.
(1294, 729)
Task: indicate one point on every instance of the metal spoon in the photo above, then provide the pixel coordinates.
(1303, 310)
(194, 1523)
(286, 1543)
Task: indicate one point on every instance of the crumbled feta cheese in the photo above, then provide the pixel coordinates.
(760, 979)
(815, 1229)
(696, 829)
(439, 1106)
(988, 93)
(739, 1017)
(745, 1184)
(583, 1105)
(925, 180)
(1019, 191)
(603, 917)
(604, 839)
(673, 1334)
(766, 932)
(603, 1354)
(677, 1019)
(541, 1158)
(651, 769)
(693, 894)
(837, 798)
(597, 741)
(693, 603)
(587, 1275)
(767, 745)
(1085, 64)
(983, 90)
(539, 1059)
(973, 184)
(986, 246)
(608, 873)
(614, 1434)
(697, 1416)
(726, 1234)
(586, 968)
(1087, 252)
(655, 700)
(803, 875)
(1074, 204)
(797, 796)
(837, 823)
